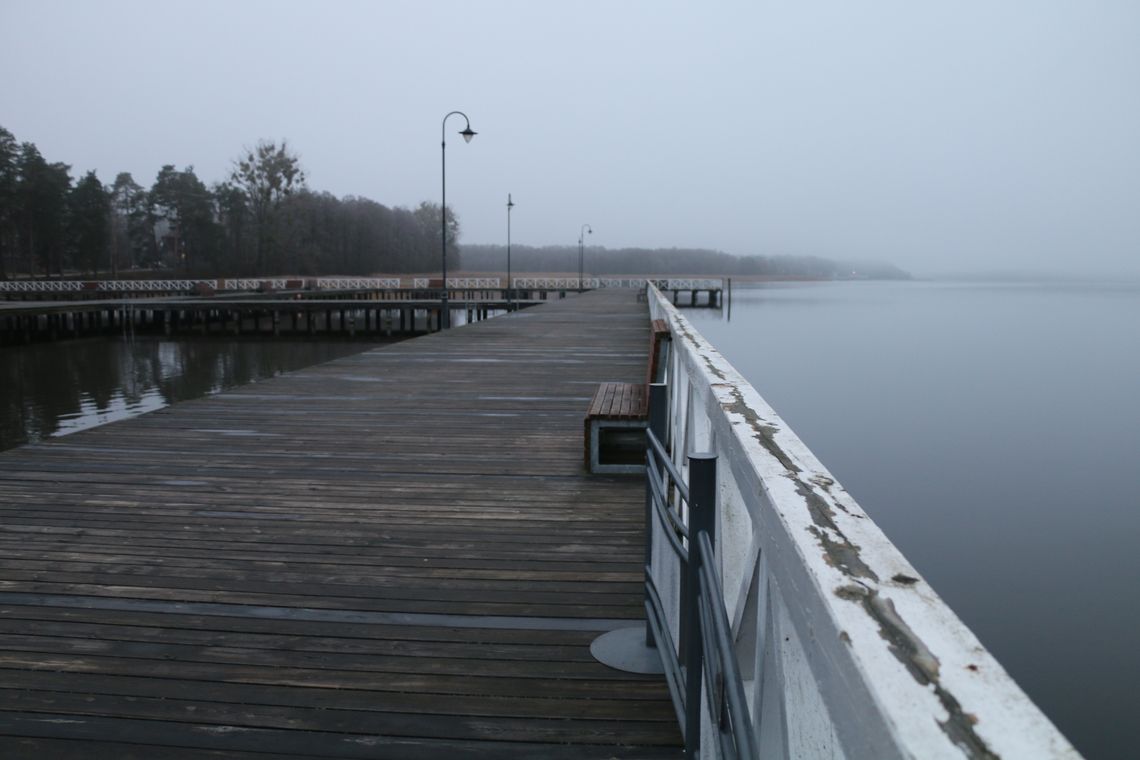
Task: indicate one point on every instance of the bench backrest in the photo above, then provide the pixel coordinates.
(659, 341)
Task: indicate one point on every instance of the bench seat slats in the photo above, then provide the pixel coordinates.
(624, 405)
(618, 401)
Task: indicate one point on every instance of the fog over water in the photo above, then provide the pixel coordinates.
(943, 137)
(993, 432)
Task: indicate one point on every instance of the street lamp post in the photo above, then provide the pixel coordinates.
(510, 205)
(467, 133)
(581, 252)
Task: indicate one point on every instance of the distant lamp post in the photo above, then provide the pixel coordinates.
(467, 133)
(582, 252)
(510, 205)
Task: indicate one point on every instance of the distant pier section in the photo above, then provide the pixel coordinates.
(344, 307)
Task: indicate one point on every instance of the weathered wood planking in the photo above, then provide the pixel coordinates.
(394, 554)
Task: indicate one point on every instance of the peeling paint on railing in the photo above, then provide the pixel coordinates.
(850, 653)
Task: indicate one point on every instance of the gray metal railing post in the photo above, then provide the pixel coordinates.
(702, 519)
(658, 419)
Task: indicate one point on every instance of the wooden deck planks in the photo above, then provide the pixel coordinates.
(395, 554)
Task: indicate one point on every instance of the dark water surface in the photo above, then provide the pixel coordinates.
(993, 433)
(54, 389)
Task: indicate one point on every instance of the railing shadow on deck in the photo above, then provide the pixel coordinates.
(842, 649)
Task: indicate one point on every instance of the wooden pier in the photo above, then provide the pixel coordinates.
(397, 554)
(258, 316)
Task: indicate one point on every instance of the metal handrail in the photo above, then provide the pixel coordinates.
(703, 658)
(667, 515)
(674, 674)
(726, 701)
(656, 447)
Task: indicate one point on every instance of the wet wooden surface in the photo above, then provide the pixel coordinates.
(396, 554)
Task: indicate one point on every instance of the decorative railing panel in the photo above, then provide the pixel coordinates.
(689, 284)
(572, 283)
(40, 286)
(150, 286)
(546, 283)
(845, 650)
(470, 283)
(357, 283)
(252, 284)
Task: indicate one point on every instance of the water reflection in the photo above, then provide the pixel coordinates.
(59, 388)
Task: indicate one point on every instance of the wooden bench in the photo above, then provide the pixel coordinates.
(618, 415)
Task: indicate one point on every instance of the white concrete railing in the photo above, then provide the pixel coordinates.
(357, 283)
(252, 283)
(347, 283)
(846, 651)
(72, 286)
(547, 283)
(571, 283)
(40, 286)
(231, 283)
(474, 283)
(688, 284)
(617, 282)
(150, 286)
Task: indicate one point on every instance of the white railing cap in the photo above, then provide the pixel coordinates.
(928, 678)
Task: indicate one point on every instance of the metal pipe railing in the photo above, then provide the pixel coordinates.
(701, 660)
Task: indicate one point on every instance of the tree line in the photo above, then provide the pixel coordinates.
(262, 219)
(671, 261)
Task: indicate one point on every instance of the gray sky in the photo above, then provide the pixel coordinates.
(948, 136)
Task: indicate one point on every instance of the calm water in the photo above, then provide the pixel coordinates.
(993, 433)
(59, 388)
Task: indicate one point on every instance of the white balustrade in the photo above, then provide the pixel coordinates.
(40, 286)
(357, 283)
(547, 283)
(847, 652)
(149, 286)
(347, 283)
(571, 283)
(252, 283)
(461, 283)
